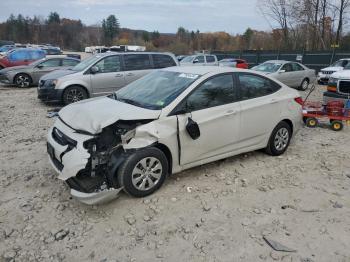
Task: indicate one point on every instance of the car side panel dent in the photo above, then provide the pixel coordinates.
(164, 131)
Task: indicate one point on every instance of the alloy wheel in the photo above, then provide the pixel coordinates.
(146, 173)
(22, 81)
(281, 139)
(74, 95)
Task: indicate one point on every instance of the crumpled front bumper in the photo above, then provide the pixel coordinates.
(101, 197)
(68, 163)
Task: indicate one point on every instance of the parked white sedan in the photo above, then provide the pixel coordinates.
(168, 121)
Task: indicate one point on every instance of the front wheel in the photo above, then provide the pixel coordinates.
(304, 85)
(74, 94)
(22, 80)
(143, 172)
(279, 139)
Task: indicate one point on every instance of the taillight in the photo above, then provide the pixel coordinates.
(299, 100)
(332, 88)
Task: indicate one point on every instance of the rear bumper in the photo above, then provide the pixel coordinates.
(50, 94)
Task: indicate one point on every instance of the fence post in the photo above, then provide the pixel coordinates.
(240, 54)
(278, 54)
(257, 59)
(332, 57)
(302, 57)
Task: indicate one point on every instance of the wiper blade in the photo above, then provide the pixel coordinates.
(129, 101)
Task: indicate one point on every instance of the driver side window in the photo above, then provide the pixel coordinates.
(217, 91)
(287, 67)
(109, 64)
(200, 59)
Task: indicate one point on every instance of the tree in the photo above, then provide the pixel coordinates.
(247, 37)
(145, 36)
(342, 7)
(110, 28)
(54, 18)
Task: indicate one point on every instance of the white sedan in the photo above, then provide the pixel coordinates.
(168, 121)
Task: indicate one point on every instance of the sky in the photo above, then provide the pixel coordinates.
(232, 16)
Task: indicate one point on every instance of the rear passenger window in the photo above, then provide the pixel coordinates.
(69, 62)
(297, 67)
(161, 61)
(253, 86)
(137, 62)
(217, 91)
(210, 59)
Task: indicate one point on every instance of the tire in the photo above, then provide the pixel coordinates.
(22, 80)
(337, 125)
(74, 94)
(135, 181)
(311, 122)
(279, 139)
(304, 85)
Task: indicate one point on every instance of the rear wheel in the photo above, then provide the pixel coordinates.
(143, 172)
(22, 80)
(311, 122)
(304, 85)
(279, 139)
(337, 125)
(74, 94)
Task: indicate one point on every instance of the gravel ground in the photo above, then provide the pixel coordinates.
(216, 212)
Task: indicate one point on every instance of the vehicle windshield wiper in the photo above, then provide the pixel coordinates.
(128, 101)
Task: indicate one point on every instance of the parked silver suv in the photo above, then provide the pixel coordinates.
(100, 74)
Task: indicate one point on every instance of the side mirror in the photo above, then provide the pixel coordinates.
(94, 70)
(195, 61)
(282, 71)
(193, 129)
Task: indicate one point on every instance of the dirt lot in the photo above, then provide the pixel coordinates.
(216, 212)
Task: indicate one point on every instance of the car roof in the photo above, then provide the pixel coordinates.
(280, 61)
(133, 53)
(202, 70)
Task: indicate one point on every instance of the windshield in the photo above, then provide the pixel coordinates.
(188, 59)
(268, 67)
(155, 90)
(86, 63)
(338, 63)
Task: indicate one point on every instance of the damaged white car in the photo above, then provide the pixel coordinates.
(168, 121)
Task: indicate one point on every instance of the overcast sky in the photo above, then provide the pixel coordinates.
(232, 16)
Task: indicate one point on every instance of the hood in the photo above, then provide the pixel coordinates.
(332, 68)
(13, 68)
(57, 74)
(94, 114)
(343, 74)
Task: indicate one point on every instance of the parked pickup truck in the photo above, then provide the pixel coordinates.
(338, 86)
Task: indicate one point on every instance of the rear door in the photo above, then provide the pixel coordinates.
(299, 74)
(260, 108)
(110, 76)
(136, 66)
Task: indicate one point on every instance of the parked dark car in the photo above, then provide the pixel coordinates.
(21, 56)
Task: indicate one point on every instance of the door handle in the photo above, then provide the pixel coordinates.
(118, 75)
(273, 101)
(129, 74)
(230, 112)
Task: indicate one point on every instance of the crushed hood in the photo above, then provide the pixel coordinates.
(93, 115)
(332, 68)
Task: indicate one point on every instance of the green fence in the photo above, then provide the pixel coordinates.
(313, 59)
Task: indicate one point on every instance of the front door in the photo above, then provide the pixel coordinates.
(109, 77)
(45, 67)
(212, 105)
